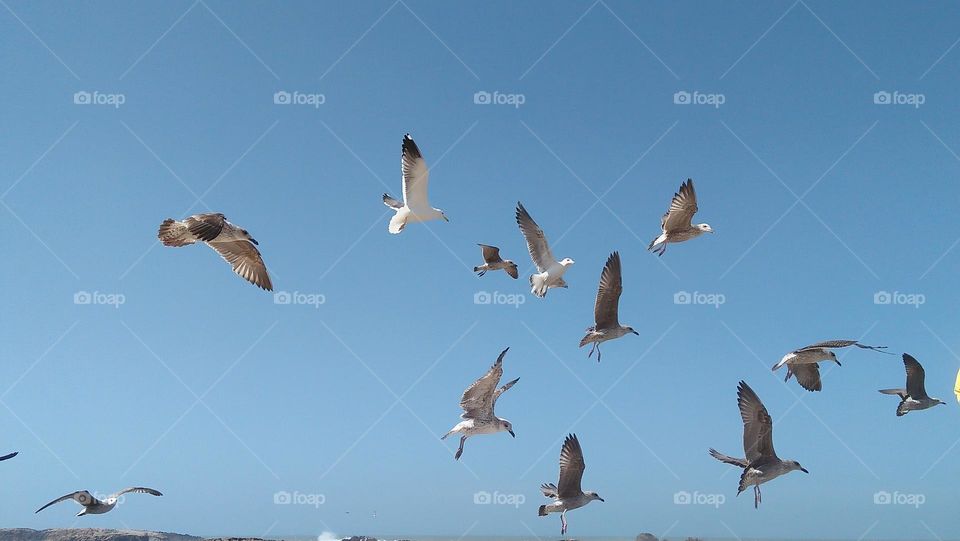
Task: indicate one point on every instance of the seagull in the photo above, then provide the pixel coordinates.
(607, 326)
(233, 243)
(93, 506)
(416, 177)
(550, 271)
(802, 362)
(675, 224)
(478, 402)
(492, 261)
(568, 496)
(914, 397)
(762, 463)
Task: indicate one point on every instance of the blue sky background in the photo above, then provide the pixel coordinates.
(202, 386)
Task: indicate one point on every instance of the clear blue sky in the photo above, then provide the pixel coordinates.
(203, 387)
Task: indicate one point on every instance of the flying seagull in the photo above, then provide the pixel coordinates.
(492, 261)
(549, 270)
(568, 495)
(605, 310)
(762, 463)
(93, 506)
(676, 224)
(914, 397)
(802, 362)
(233, 243)
(415, 207)
(478, 402)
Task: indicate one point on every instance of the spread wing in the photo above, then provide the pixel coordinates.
(757, 425)
(571, 468)
(840, 344)
(205, 227)
(139, 490)
(81, 496)
(808, 375)
(608, 294)
(536, 241)
(391, 202)
(491, 254)
(416, 177)
(477, 401)
(9, 456)
(728, 459)
(682, 208)
(915, 377)
(549, 490)
(245, 259)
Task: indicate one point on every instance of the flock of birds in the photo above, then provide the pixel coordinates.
(760, 464)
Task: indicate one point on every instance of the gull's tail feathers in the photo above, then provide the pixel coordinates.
(174, 233)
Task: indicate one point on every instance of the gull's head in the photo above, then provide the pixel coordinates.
(442, 215)
(506, 426)
(794, 465)
(566, 262)
(705, 228)
(247, 235)
(593, 495)
(937, 402)
(630, 329)
(833, 357)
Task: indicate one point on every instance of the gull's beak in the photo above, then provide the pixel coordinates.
(446, 219)
(601, 499)
(804, 470)
(635, 332)
(253, 240)
(511, 433)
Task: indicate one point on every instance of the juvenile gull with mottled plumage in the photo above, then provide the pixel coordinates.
(567, 494)
(802, 362)
(93, 506)
(915, 396)
(676, 225)
(605, 311)
(493, 261)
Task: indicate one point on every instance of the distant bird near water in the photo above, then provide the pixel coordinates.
(762, 463)
(549, 270)
(416, 178)
(802, 362)
(93, 506)
(605, 311)
(914, 397)
(233, 243)
(676, 225)
(493, 261)
(567, 494)
(478, 403)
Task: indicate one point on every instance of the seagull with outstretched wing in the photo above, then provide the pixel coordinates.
(803, 362)
(415, 206)
(93, 506)
(915, 396)
(605, 311)
(677, 224)
(549, 270)
(567, 494)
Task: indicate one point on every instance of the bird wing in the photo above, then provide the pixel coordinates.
(536, 241)
(9, 456)
(549, 490)
(246, 261)
(477, 401)
(205, 227)
(915, 377)
(139, 490)
(391, 202)
(504, 388)
(416, 177)
(808, 375)
(82, 497)
(728, 459)
(608, 294)
(682, 208)
(840, 344)
(491, 254)
(757, 425)
(571, 468)
(512, 271)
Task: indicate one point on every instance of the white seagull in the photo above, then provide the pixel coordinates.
(915, 396)
(93, 506)
(762, 463)
(415, 207)
(676, 224)
(233, 243)
(549, 270)
(802, 362)
(568, 495)
(605, 310)
(478, 402)
(493, 261)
